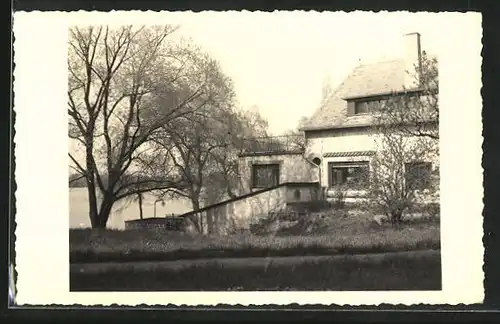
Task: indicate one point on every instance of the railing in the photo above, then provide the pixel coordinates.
(274, 144)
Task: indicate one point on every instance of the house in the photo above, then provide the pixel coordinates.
(335, 151)
(339, 141)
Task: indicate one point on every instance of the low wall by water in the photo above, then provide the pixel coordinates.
(169, 223)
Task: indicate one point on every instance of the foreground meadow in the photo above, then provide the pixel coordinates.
(414, 270)
(352, 254)
(350, 235)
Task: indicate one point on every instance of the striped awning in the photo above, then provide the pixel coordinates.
(348, 154)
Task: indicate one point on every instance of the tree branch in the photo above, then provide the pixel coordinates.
(80, 168)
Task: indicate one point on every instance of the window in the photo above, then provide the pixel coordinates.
(361, 107)
(265, 175)
(351, 175)
(364, 106)
(418, 175)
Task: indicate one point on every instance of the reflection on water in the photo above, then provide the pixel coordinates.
(122, 211)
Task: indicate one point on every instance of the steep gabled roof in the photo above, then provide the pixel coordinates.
(366, 80)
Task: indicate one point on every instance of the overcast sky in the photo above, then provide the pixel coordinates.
(279, 61)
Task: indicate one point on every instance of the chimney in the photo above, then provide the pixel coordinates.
(413, 57)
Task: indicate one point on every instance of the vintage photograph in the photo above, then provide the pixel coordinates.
(286, 157)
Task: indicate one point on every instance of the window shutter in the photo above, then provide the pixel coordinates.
(350, 108)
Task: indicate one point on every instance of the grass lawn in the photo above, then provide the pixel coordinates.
(353, 254)
(351, 235)
(417, 270)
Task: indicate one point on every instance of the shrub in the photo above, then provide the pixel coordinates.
(433, 210)
(339, 199)
(313, 206)
(318, 206)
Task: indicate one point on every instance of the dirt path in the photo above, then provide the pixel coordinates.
(241, 262)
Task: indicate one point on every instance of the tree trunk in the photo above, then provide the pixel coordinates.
(104, 213)
(91, 185)
(92, 196)
(198, 219)
(140, 206)
(101, 222)
(92, 204)
(396, 217)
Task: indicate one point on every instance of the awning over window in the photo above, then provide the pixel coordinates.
(348, 154)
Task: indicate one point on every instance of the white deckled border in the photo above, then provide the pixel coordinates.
(42, 164)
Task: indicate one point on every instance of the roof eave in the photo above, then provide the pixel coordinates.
(383, 94)
(340, 127)
(333, 127)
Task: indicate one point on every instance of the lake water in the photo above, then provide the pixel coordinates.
(122, 211)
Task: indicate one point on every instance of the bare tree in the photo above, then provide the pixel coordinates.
(191, 142)
(295, 138)
(250, 123)
(124, 84)
(204, 150)
(405, 128)
(399, 173)
(191, 152)
(416, 110)
(239, 126)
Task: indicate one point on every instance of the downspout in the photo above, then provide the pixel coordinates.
(304, 156)
(319, 174)
(323, 191)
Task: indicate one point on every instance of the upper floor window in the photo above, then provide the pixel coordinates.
(361, 107)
